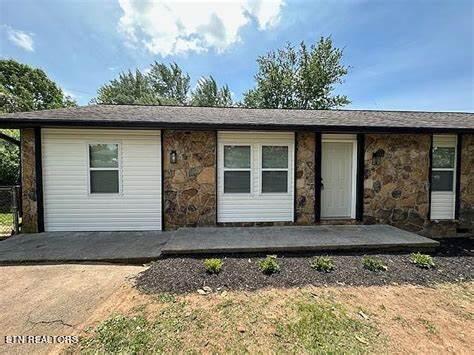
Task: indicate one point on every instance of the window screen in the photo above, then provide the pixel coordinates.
(442, 181)
(443, 157)
(274, 169)
(104, 168)
(237, 169)
(442, 175)
(237, 181)
(275, 181)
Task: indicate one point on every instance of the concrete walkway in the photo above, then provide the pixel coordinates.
(141, 247)
(126, 247)
(278, 239)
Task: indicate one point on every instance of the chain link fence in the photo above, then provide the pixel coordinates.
(9, 211)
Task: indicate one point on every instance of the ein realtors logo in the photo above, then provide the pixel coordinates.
(41, 339)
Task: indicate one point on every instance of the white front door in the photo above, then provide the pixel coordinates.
(337, 179)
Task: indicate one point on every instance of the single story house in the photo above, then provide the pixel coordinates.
(130, 167)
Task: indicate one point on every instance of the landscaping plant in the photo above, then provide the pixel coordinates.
(269, 265)
(423, 261)
(323, 263)
(213, 266)
(373, 264)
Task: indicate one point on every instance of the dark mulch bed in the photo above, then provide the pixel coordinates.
(454, 262)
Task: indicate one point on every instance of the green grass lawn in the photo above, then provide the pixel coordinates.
(302, 324)
(309, 320)
(6, 223)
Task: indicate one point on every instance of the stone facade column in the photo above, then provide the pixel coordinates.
(396, 177)
(190, 183)
(305, 173)
(466, 211)
(28, 181)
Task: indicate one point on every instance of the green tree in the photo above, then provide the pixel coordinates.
(9, 163)
(300, 77)
(129, 88)
(162, 85)
(207, 93)
(23, 88)
(169, 83)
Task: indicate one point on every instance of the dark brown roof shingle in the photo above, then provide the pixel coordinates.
(194, 117)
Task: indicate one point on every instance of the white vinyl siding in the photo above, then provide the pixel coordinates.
(443, 202)
(255, 206)
(68, 203)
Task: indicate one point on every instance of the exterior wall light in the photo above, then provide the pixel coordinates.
(173, 157)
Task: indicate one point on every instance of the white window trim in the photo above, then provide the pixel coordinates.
(342, 139)
(261, 169)
(224, 169)
(261, 207)
(118, 169)
(256, 168)
(454, 170)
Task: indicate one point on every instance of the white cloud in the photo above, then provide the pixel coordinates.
(70, 94)
(168, 27)
(21, 38)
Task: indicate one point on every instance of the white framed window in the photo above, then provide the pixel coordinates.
(274, 169)
(444, 169)
(237, 169)
(264, 189)
(104, 167)
(443, 177)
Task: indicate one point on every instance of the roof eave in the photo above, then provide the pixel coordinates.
(31, 123)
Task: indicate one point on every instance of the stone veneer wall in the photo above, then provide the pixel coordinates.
(190, 183)
(305, 150)
(466, 211)
(28, 181)
(396, 179)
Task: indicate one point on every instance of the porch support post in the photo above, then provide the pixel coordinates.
(430, 166)
(457, 205)
(39, 179)
(360, 176)
(317, 177)
(31, 181)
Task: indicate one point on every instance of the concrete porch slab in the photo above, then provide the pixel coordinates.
(126, 247)
(141, 247)
(289, 239)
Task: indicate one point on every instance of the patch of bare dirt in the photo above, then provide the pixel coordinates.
(413, 319)
(419, 319)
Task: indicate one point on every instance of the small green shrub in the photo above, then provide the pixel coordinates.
(422, 260)
(213, 266)
(323, 263)
(269, 265)
(373, 264)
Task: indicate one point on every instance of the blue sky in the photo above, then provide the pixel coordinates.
(404, 55)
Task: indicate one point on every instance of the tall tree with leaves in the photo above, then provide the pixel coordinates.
(161, 85)
(300, 77)
(207, 93)
(23, 88)
(169, 83)
(129, 88)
